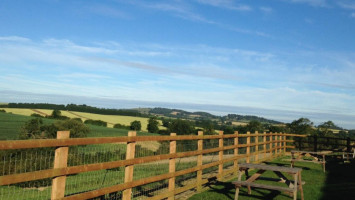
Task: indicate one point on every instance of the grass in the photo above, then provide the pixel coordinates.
(337, 183)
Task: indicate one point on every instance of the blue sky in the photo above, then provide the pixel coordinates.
(284, 56)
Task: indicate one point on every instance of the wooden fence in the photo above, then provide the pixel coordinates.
(259, 146)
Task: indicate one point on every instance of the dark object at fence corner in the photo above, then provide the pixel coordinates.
(315, 143)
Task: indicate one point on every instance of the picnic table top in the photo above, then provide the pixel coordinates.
(271, 168)
(312, 152)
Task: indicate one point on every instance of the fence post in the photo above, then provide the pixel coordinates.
(60, 161)
(271, 144)
(199, 162)
(128, 177)
(315, 143)
(257, 146)
(172, 167)
(264, 146)
(220, 156)
(278, 150)
(284, 143)
(348, 147)
(248, 147)
(236, 142)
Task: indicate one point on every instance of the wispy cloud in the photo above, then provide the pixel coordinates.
(104, 10)
(226, 4)
(190, 73)
(347, 5)
(266, 10)
(316, 3)
(352, 15)
(14, 39)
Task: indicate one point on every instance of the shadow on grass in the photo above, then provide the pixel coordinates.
(340, 182)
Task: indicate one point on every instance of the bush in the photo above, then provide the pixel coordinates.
(36, 115)
(2, 110)
(96, 122)
(34, 129)
(121, 126)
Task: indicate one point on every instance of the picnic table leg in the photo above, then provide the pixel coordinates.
(295, 187)
(237, 186)
(300, 185)
(324, 163)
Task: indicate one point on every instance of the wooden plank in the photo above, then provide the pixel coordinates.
(172, 167)
(270, 168)
(256, 146)
(199, 162)
(236, 142)
(131, 149)
(257, 185)
(220, 156)
(60, 161)
(248, 147)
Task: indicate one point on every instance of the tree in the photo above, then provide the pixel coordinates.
(56, 114)
(324, 128)
(181, 127)
(254, 125)
(302, 126)
(35, 129)
(136, 125)
(152, 126)
(32, 129)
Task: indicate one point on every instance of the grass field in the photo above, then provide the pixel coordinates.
(337, 183)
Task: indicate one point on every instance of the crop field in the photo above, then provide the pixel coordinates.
(110, 119)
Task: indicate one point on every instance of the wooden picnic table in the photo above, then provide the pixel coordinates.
(317, 157)
(293, 186)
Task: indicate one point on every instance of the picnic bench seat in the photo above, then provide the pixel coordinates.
(293, 186)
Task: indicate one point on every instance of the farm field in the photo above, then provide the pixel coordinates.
(110, 119)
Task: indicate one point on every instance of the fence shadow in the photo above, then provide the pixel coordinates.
(340, 182)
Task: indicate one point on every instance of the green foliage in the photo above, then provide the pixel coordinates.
(254, 125)
(302, 126)
(96, 122)
(181, 127)
(152, 126)
(57, 114)
(2, 110)
(35, 129)
(136, 125)
(228, 130)
(121, 126)
(36, 115)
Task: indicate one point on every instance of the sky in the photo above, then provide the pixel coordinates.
(280, 59)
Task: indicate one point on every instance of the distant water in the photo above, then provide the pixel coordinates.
(345, 121)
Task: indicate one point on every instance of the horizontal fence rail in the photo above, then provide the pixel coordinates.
(320, 143)
(187, 162)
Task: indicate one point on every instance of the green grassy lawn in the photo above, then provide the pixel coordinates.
(337, 183)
